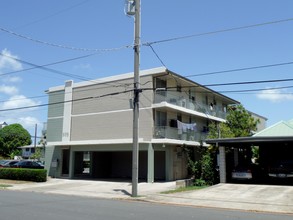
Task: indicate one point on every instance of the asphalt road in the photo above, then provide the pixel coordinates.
(18, 205)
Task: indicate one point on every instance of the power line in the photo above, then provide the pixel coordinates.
(227, 84)
(241, 69)
(62, 102)
(143, 44)
(218, 31)
(54, 14)
(144, 89)
(39, 66)
(157, 55)
(63, 46)
(35, 66)
(248, 82)
(255, 90)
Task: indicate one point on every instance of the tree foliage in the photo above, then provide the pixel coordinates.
(239, 123)
(11, 137)
(201, 169)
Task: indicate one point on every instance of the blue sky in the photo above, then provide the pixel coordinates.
(32, 29)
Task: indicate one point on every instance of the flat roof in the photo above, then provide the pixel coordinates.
(249, 140)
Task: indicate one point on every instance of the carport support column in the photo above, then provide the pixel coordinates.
(236, 156)
(222, 164)
(151, 163)
(71, 164)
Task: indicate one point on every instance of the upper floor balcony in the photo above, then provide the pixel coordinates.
(177, 99)
(162, 132)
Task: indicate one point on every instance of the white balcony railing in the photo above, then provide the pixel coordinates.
(176, 99)
(161, 132)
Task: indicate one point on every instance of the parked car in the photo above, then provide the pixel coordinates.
(28, 164)
(2, 162)
(10, 163)
(281, 169)
(241, 173)
(246, 172)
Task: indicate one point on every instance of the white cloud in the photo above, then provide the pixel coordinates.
(275, 95)
(18, 101)
(29, 121)
(85, 66)
(8, 63)
(26, 117)
(9, 90)
(12, 79)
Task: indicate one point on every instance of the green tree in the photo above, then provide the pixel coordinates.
(11, 137)
(37, 155)
(239, 123)
(219, 130)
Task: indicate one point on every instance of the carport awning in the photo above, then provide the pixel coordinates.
(249, 140)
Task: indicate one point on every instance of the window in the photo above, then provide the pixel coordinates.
(161, 118)
(161, 83)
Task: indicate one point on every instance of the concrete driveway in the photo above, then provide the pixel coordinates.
(265, 198)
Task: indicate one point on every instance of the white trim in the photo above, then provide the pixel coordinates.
(101, 113)
(123, 141)
(111, 79)
(108, 112)
(185, 110)
(57, 117)
(31, 146)
(174, 141)
(93, 142)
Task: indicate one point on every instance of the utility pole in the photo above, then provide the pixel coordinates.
(137, 90)
(35, 139)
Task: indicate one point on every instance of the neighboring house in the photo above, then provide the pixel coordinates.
(28, 151)
(262, 121)
(89, 127)
(3, 124)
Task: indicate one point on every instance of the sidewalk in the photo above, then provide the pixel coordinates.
(263, 198)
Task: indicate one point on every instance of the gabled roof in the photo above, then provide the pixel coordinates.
(281, 128)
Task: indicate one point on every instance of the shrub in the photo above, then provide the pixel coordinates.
(35, 175)
(200, 182)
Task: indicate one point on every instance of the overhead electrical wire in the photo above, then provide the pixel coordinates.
(168, 88)
(35, 66)
(62, 102)
(53, 14)
(248, 82)
(156, 54)
(255, 90)
(218, 31)
(63, 46)
(241, 69)
(39, 66)
(145, 43)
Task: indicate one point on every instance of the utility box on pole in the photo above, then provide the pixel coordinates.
(130, 7)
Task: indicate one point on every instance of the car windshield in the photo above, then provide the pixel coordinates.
(2, 162)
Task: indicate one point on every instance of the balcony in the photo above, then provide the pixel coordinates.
(176, 98)
(162, 132)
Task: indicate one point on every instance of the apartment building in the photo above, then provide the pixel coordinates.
(89, 127)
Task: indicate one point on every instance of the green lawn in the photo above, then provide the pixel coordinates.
(3, 186)
(184, 189)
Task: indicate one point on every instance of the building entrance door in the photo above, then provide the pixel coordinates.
(65, 162)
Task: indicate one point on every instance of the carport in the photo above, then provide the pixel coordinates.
(271, 148)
